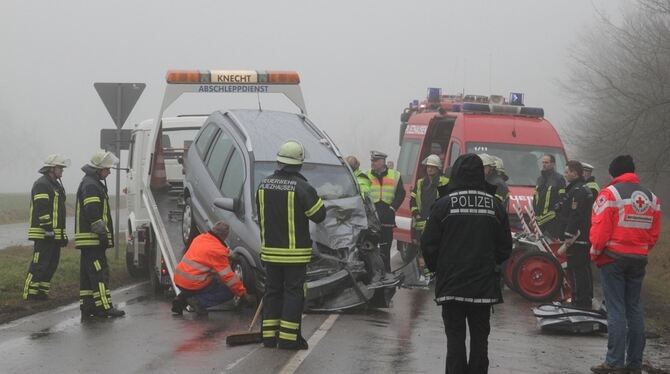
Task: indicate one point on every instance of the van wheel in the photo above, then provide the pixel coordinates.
(244, 271)
(133, 270)
(188, 228)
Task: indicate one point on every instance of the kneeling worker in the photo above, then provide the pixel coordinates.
(204, 275)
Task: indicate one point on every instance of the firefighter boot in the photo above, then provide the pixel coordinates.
(110, 313)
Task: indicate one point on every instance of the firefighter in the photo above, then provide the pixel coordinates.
(549, 190)
(362, 178)
(93, 235)
(286, 203)
(47, 227)
(467, 237)
(424, 193)
(625, 224)
(575, 219)
(590, 179)
(387, 193)
(204, 275)
(493, 177)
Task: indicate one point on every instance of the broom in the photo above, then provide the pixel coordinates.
(247, 337)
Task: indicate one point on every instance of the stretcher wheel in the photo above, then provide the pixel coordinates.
(537, 276)
(508, 266)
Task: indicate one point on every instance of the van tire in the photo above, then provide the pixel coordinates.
(136, 272)
(189, 230)
(242, 269)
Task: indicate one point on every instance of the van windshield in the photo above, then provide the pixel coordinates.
(409, 153)
(522, 162)
(330, 181)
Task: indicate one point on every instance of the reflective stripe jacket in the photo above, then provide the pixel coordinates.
(92, 206)
(285, 204)
(363, 181)
(625, 221)
(591, 183)
(47, 209)
(206, 258)
(549, 190)
(387, 193)
(420, 202)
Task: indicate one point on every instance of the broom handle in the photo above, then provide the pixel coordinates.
(258, 313)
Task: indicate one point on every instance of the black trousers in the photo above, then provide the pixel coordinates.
(94, 292)
(580, 276)
(43, 265)
(283, 304)
(455, 314)
(385, 241)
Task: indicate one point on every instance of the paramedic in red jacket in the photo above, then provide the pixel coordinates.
(204, 274)
(625, 224)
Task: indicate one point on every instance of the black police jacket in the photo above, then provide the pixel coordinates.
(467, 237)
(575, 212)
(92, 208)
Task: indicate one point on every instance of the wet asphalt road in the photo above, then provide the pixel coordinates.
(407, 338)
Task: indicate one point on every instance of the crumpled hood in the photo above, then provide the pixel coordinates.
(345, 218)
(467, 173)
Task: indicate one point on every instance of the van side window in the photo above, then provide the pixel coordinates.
(455, 152)
(204, 139)
(233, 179)
(218, 155)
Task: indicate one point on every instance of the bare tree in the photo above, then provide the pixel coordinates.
(620, 85)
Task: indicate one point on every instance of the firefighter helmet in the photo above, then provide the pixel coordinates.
(498, 163)
(433, 160)
(52, 161)
(103, 160)
(487, 159)
(291, 153)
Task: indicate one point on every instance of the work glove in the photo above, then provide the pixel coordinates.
(247, 301)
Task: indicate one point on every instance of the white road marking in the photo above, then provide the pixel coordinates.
(229, 367)
(300, 356)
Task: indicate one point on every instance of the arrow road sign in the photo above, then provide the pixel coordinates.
(119, 99)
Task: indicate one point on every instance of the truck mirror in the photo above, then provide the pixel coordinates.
(225, 203)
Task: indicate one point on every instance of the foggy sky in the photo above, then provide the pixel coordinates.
(360, 63)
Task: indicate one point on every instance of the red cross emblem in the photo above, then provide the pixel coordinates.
(640, 202)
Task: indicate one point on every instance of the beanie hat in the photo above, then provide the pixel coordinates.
(621, 165)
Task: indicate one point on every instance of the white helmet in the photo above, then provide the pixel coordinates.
(103, 160)
(498, 163)
(433, 160)
(587, 167)
(291, 153)
(56, 160)
(487, 159)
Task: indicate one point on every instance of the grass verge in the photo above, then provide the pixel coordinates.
(655, 288)
(64, 285)
(15, 207)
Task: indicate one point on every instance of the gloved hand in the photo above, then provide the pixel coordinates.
(103, 238)
(63, 242)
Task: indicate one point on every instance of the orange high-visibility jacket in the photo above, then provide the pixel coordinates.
(626, 220)
(206, 258)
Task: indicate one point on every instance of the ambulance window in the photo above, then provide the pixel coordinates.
(219, 155)
(204, 139)
(233, 179)
(455, 152)
(409, 154)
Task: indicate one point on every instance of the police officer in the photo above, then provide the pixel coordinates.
(575, 219)
(549, 190)
(47, 227)
(286, 203)
(493, 177)
(387, 193)
(93, 235)
(590, 179)
(467, 237)
(362, 178)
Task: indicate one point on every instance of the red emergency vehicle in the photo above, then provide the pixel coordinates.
(451, 125)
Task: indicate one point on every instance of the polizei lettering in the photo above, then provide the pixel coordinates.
(471, 202)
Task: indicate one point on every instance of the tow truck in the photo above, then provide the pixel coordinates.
(164, 214)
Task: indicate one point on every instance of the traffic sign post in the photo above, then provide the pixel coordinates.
(119, 99)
